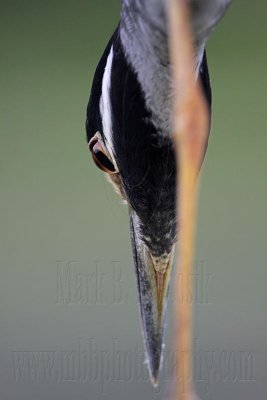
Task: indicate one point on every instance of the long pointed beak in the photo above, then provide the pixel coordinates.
(153, 278)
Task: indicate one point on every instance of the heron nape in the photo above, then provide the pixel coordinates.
(129, 127)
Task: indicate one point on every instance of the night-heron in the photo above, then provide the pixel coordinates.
(129, 129)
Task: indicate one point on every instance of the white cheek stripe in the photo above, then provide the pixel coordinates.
(105, 106)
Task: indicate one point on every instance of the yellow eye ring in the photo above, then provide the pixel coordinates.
(100, 155)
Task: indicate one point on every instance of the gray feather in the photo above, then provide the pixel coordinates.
(143, 32)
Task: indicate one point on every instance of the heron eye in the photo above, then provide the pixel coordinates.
(100, 155)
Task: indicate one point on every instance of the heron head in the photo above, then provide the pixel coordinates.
(139, 161)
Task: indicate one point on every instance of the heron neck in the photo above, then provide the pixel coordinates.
(144, 39)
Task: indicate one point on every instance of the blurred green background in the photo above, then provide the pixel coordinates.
(69, 321)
